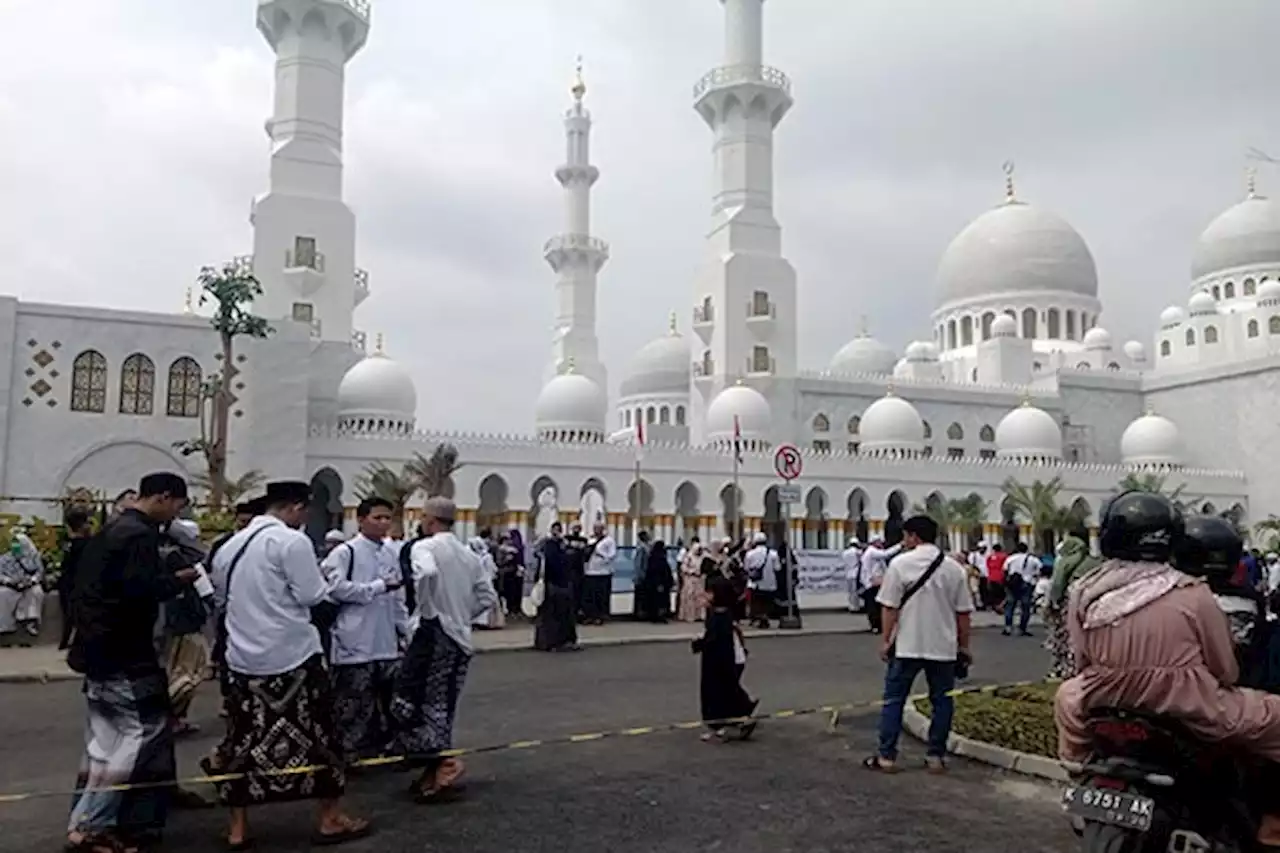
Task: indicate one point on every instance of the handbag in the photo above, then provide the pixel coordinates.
(539, 593)
(911, 591)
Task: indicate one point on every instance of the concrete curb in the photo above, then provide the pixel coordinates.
(1038, 766)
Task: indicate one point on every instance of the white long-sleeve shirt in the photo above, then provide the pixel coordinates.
(763, 561)
(874, 561)
(368, 631)
(268, 604)
(452, 585)
(603, 553)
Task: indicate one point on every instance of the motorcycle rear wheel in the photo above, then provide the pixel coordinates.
(1105, 838)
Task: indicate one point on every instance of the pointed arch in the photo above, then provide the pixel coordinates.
(688, 513)
(731, 509)
(821, 423)
(857, 504)
(492, 495)
(896, 507)
(987, 434)
(816, 519)
(592, 499)
(955, 432)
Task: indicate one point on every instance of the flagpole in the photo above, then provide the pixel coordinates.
(737, 494)
(635, 486)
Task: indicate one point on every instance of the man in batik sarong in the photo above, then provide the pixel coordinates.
(453, 589)
(119, 585)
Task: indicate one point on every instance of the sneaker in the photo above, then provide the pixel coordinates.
(1006, 632)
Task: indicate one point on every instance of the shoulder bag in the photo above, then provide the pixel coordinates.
(911, 591)
(325, 614)
(220, 638)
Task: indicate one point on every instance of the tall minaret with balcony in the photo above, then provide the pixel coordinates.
(304, 233)
(745, 295)
(575, 255)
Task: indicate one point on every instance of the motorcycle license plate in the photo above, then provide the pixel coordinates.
(1102, 805)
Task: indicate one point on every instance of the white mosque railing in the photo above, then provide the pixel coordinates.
(728, 75)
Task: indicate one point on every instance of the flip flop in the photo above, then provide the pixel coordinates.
(353, 831)
(244, 844)
(875, 765)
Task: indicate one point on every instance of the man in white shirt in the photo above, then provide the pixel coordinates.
(875, 557)
(453, 589)
(266, 582)
(761, 565)
(927, 610)
(1021, 571)
(852, 559)
(598, 577)
(366, 635)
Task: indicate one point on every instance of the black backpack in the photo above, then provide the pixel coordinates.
(325, 614)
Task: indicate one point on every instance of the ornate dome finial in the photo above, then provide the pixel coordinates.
(864, 330)
(1251, 182)
(377, 344)
(1025, 398)
(579, 88)
(569, 365)
(671, 324)
(188, 303)
(889, 390)
(1009, 196)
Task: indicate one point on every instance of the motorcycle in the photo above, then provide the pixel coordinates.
(1151, 787)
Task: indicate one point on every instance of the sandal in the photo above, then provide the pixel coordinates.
(935, 765)
(353, 830)
(99, 843)
(436, 796)
(876, 764)
(717, 736)
(246, 843)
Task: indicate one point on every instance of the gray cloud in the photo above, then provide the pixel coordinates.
(132, 153)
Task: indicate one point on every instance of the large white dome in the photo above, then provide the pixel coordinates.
(377, 388)
(864, 354)
(1028, 432)
(891, 425)
(571, 407)
(1244, 234)
(661, 366)
(1015, 248)
(1151, 440)
(748, 406)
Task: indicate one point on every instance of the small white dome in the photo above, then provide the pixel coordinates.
(1172, 316)
(661, 366)
(1028, 432)
(1151, 440)
(571, 404)
(1202, 304)
(1245, 234)
(891, 425)
(377, 387)
(749, 406)
(1135, 351)
(921, 351)
(1097, 338)
(864, 354)
(1269, 292)
(1004, 326)
(1015, 248)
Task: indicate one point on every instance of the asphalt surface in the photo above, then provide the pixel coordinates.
(795, 787)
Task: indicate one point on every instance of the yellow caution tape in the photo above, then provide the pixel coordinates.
(833, 711)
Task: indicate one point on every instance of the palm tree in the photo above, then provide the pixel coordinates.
(1037, 505)
(233, 489)
(1268, 532)
(959, 516)
(379, 481)
(435, 474)
(1156, 484)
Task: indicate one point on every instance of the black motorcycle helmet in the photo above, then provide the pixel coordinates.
(1208, 547)
(1140, 526)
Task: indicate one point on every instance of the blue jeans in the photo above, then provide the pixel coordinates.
(902, 672)
(1022, 599)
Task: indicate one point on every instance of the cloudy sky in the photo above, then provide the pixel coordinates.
(133, 143)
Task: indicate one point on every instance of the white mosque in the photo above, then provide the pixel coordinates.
(1017, 380)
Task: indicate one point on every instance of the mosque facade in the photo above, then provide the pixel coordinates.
(1017, 380)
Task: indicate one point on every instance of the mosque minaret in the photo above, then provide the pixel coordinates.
(303, 232)
(744, 317)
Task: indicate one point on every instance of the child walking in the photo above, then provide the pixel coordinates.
(724, 658)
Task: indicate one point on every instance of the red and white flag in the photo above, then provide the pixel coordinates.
(737, 441)
(639, 438)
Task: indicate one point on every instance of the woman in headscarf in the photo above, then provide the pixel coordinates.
(556, 628)
(656, 587)
(491, 618)
(690, 603)
(1073, 562)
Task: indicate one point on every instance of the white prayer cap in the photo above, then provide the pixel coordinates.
(336, 537)
(186, 527)
(759, 539)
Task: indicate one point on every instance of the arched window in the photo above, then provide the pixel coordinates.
(1071, 325)
(1055, 323)
(1084, 365)
(626, 418)
(1253, 328)
(1273, 325)
(639, 416)
(1029, 323)
(137, 385)
(89, 382)
(928, 430)
(184, 388)
(951, 334)
(1217, 292)
(1036, 366)
(1165, 347)
(855, 424)
(966, 331)
(1229, 290)
(650, 415)
(1084, 323)
(1113, 366)
(1250, 288)
(987, 319)
(1210, 334)
(987, 433)
(1191, 337)
(821, 423)
(955, 432)
(664, 415)
(679, 415)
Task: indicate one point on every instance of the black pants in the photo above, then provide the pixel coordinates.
(761, 609)
(596, 593)
(64, 604)
(872, 607)
(513, 593)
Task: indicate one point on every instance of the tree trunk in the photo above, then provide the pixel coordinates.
(221, 422)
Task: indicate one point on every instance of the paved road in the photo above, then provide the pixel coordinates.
(795, 788)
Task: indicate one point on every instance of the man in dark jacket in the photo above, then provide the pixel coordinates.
(79, 529)
(119, 585)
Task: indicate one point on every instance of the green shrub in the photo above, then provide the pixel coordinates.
(1019, 718)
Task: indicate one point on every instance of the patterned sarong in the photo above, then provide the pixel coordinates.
(426, 699)
(362, 704)
(127, 741)
(279, 723)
